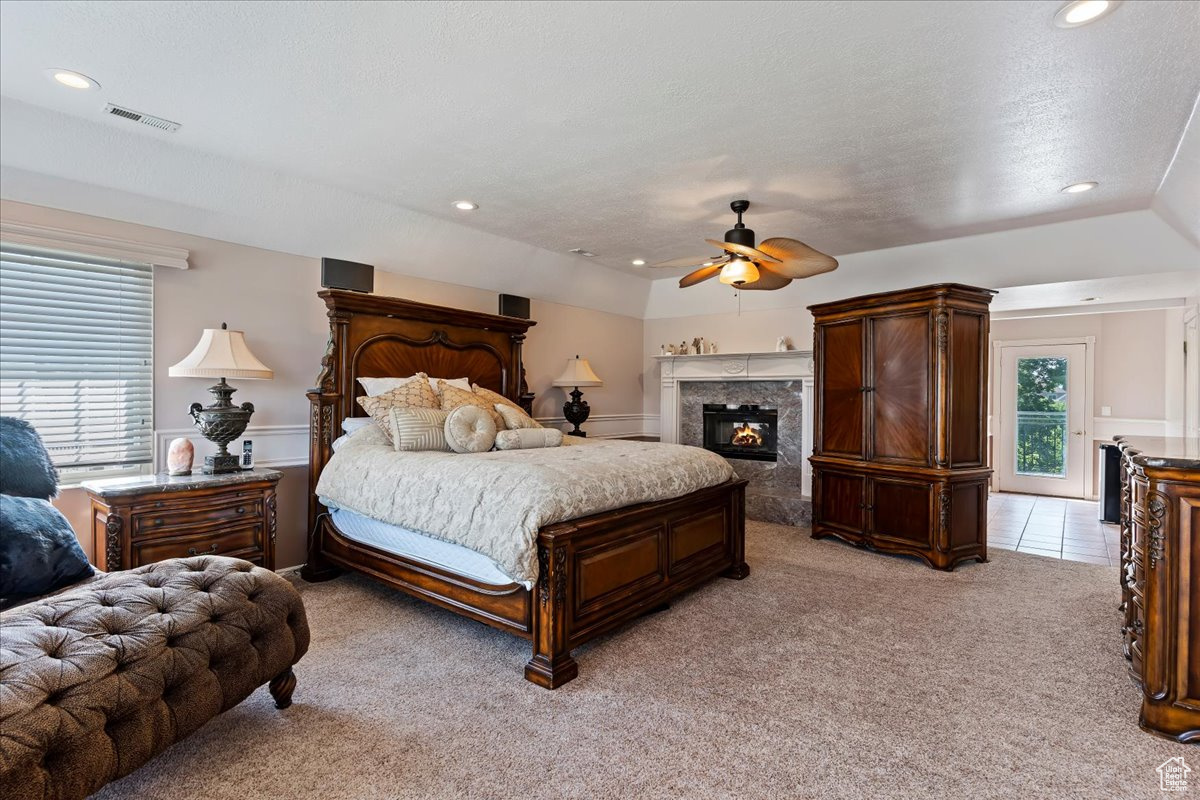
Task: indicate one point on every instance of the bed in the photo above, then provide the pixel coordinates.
(594, 573)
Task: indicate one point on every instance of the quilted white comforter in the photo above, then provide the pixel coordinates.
(495, 502)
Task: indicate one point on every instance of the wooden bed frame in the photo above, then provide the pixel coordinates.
(595, 573)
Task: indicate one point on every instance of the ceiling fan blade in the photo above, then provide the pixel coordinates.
(741, 249)
(768, 279)
(691, 261)
(699, 276)
(798, 260)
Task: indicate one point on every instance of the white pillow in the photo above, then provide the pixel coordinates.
(377, 386)
(458, 383)
(470, 429)
(528, 438)
(351, 424)
(515, 418)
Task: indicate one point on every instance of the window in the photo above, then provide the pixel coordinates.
(76, 357)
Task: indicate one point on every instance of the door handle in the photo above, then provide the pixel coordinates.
(1077, 433)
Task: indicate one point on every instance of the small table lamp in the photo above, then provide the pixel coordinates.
(221, 353)
(578, 373)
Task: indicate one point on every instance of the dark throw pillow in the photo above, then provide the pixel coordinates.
(38, 550)
(25, 468)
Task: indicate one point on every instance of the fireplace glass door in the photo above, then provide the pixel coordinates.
(745, 431)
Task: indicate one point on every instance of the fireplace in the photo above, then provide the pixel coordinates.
(745, 431)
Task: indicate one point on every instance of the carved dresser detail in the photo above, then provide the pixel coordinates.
(1160, 580)
(900, 459)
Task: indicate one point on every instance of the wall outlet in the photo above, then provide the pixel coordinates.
(1106, 411)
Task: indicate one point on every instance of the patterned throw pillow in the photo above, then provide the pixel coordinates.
(470, 429)
(453, 397)
(529, 439)
(414, 394)
(513, 415)
(419, 428)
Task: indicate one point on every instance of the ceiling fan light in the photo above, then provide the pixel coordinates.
(739, 271)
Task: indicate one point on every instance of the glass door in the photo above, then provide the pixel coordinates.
(1043, 424)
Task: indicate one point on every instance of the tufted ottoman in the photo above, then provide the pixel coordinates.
(98, 679)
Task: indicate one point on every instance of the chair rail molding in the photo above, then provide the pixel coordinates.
(787, 365)
(274, 445)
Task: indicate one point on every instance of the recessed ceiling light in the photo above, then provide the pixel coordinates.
(73, 79)
(638, 262)
(1076, 188)
(465, 205)
(1081, 12)
(579, 251)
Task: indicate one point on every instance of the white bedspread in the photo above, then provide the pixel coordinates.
(495, 502)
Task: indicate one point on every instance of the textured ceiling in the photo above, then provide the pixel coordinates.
(625, 128)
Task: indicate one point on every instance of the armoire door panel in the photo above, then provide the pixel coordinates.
(900, 399)
(901, 511)
(843, 500)
(842, 389)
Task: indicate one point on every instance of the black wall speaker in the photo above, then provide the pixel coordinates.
(338, 274)
(513, 306)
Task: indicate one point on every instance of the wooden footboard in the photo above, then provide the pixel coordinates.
(599, 572)
(594, 573)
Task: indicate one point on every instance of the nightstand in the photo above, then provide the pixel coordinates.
(149, 518)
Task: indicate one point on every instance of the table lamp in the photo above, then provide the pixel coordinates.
(578, 373)
(220, 354)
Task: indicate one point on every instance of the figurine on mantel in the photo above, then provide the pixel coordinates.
(698, 346)
(712, 348)
(683, 348)
(782, 345)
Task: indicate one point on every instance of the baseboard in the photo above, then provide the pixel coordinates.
(274, 445)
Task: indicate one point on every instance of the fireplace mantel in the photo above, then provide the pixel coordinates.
(787, 365)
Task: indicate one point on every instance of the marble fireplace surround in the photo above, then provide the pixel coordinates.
(782, 379)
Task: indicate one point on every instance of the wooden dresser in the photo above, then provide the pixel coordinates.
(1160, 580)
(141, 520)
(899, 448)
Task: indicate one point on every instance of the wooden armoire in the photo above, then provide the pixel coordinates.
(900, 460)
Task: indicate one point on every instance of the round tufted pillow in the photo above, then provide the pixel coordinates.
(470, 429)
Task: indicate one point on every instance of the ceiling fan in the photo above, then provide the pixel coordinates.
(774, 264)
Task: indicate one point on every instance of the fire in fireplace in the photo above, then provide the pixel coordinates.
(741, 431)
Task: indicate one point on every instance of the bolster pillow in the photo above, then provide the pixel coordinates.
(528, 438)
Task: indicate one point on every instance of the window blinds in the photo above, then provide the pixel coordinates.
(76, 352)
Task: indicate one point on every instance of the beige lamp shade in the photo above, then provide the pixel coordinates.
(578, 373)
(221, 354)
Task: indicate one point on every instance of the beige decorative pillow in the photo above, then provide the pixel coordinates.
(514, 417)
(453, 397)
(374, 386)
(528, 439)
(419, 429)
(414, 394)
(457, 383)
(470, 429)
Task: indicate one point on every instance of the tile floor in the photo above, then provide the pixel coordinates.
(1053, 527)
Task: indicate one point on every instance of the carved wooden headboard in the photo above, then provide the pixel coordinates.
(377, 337)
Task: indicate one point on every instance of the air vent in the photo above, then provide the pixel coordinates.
(579, 251)
(144, 119)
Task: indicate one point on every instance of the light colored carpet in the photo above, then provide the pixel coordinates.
(830, 672)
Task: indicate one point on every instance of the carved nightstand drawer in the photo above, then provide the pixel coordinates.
(141, 520)
(244, 543)
(214, 511)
